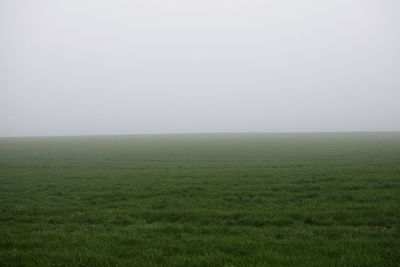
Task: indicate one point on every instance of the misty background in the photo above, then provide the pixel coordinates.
(180, 66)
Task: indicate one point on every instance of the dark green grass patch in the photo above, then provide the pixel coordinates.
(201, 200)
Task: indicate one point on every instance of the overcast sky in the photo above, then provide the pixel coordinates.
(178, 66)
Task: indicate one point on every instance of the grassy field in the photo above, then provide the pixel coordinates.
(201, 200)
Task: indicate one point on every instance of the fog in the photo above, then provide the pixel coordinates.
(182, 66)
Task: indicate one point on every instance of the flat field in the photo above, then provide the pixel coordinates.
(201, 200)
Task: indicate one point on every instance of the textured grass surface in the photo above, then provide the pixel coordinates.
(201, 200)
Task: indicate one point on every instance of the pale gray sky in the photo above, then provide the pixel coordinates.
(168, 66)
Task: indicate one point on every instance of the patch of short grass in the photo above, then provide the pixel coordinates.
(201, 200)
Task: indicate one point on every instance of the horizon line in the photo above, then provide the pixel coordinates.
(201, 133)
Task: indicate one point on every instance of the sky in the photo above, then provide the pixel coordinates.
(90, 67)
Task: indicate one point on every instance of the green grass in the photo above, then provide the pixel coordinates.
(201, 200)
